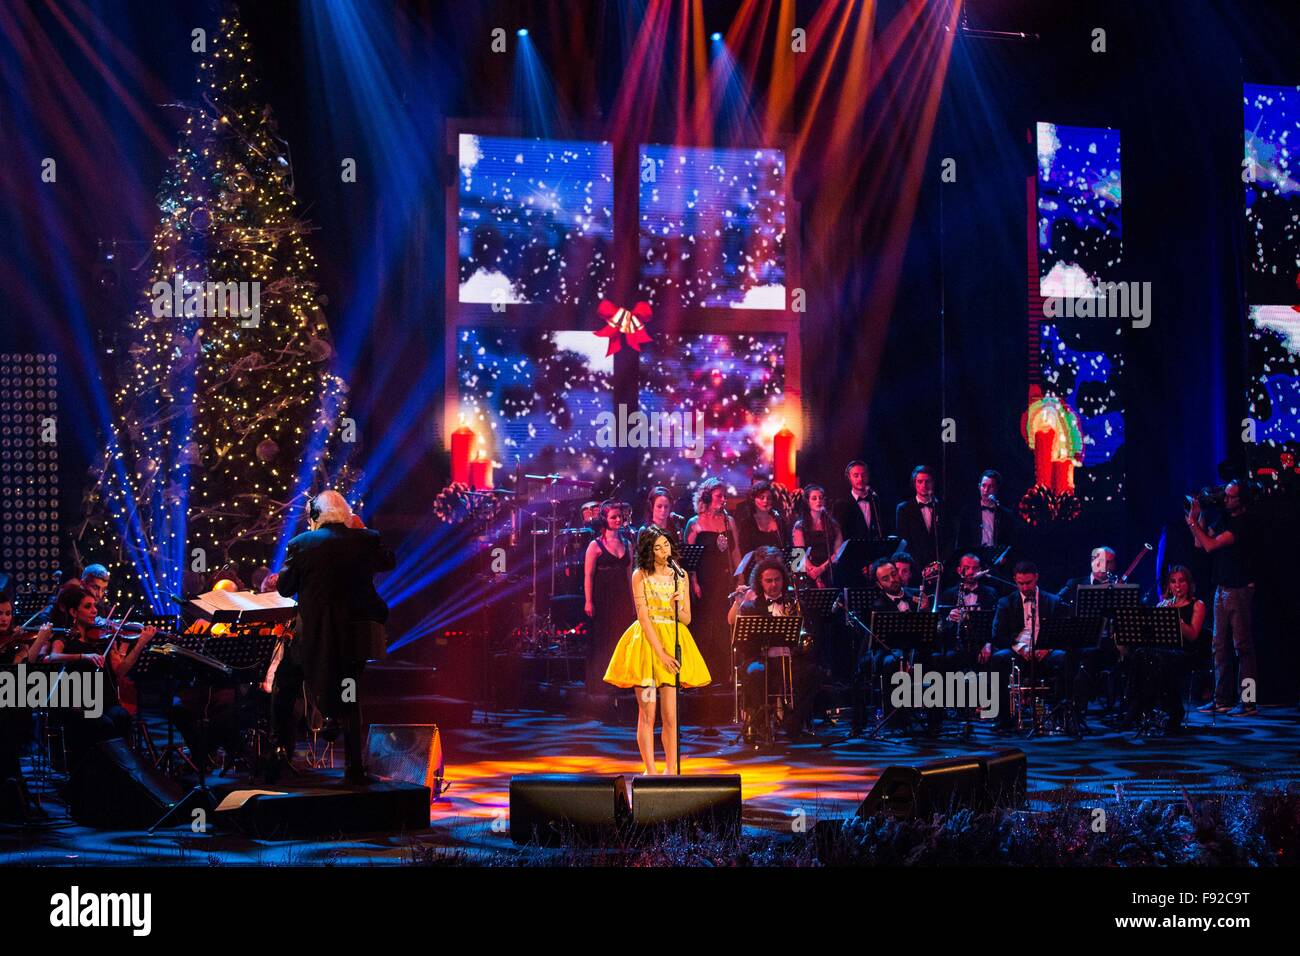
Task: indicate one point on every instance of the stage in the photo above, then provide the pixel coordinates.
(786, 790)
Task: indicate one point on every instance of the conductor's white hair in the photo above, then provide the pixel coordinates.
(334, 508)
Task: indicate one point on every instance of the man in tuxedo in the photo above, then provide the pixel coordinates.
(1017, 621)
(965, 596)
(331, 569)
(859, 515)
(987, 526)
(771, 594)
(875, 661)
(1093, 661)
(918, 520)
(1102, 567)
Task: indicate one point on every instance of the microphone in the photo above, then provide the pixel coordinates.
(677, 568)
(676, 516)
(984, 573)
(839, 603)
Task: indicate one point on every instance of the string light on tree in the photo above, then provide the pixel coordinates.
(214, 412)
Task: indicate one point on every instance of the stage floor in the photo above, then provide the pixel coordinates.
(824, 779)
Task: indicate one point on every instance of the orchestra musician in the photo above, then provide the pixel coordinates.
(1094, 661)
(818, 533)
(988, 525)
(607, 570)
(84, 644)
(94, 580)
(16, 646)
(758, 523)
(1102, 566)
(659, 514)
(1160, 673)
(875, 661)
(331, 568)
(1017, 621)
(859, 515)
(711, 583)
(771, 593)
(919, 520)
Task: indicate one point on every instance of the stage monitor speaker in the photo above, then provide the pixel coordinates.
(550, 809)
(711, 803)
(1006, 778)
(113, 789)
(409, 752)
(973, 782)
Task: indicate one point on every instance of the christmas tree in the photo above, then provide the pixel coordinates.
(227, 411)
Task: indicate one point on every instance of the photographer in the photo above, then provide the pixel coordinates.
(1228, 542)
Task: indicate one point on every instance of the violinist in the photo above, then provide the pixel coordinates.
(17, 645)
(82, 643)
(15, 722)
(94, 579)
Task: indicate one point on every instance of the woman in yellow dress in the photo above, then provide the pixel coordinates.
(646, 655)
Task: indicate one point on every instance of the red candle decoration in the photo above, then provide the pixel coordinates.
(480, 474)
(1062, 477)
(783, 460)
(462, 440)
(1044, 441)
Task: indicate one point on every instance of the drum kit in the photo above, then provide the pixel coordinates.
(547, 523)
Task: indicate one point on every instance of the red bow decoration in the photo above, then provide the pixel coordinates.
(629, 324)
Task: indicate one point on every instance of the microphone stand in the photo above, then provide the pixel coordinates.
(677, 652)
(872, 639)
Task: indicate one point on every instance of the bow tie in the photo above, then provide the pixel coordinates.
(987, 508)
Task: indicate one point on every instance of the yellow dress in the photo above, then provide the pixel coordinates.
(635, 663)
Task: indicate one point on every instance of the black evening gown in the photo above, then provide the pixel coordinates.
(709, 611)
(612, 612)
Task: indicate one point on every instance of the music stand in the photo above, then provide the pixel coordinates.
(764, 632)
(905, 630)
(858, 553)
(1069, 633)
(1103, 600)
(690, 556)
(1148, 627)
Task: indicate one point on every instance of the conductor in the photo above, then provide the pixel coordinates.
(331, 569)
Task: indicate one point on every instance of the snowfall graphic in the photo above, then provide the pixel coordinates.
(535, 220)
(712, 227)
(738, 382)
(540, 401)
(535, 398)
(1272, 119)
(1079, 220)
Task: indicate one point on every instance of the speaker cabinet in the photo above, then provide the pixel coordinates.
(711, 803)
(550, 809)
(113, 789)
(976, 782)
(410, 752)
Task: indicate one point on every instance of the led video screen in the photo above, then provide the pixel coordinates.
(1079, 234)
(712, 227)
(535, 221)
(1272, 130)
